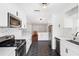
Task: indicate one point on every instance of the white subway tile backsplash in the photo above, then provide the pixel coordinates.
(10, 31)
(67, 32)
(19, 33)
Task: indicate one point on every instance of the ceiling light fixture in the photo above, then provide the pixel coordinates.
(44, 5)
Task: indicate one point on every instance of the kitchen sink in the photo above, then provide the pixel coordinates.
(73, 41)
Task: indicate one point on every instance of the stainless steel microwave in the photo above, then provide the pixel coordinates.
(13, 21)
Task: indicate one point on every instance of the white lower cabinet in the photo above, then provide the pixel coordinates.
(63, 48)
(68, 49)
(13, 53)
(7, 51)
(72, 53)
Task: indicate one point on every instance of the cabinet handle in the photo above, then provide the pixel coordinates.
(66, 50)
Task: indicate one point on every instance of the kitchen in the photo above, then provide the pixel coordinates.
(19, 20)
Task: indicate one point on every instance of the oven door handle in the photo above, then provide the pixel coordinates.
(20, 46)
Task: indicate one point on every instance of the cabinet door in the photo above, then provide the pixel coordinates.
(12, 11)
(73, 53)
(63, 48)
(68, 22)
(22, 17)
(13, 53)
(73, 49)
(7, 51)
(3, 17)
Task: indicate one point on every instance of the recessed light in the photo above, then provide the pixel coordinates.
(40, 18)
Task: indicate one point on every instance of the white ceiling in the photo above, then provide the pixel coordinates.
(44, 13)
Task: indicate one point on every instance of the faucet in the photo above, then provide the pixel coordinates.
(75, 36)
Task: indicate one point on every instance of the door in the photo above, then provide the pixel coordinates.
(34, 37)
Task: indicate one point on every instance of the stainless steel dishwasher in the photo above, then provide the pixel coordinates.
(57, 46)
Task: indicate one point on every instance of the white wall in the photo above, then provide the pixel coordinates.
(43, 36)
(42, 30)
(40, 27)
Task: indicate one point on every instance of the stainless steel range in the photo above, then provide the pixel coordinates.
(9, 41)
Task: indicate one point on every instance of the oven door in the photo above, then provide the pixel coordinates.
(21, 50)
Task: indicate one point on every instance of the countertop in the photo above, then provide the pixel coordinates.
(69, 39)
(64, 37)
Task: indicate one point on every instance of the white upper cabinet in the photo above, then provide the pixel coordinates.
(3, 17)
(70, 16)
(13, 9)
(4, 9)
(78, 20)
(23, 18)
(68, 22)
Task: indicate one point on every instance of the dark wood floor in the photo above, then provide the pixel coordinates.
(41, 48)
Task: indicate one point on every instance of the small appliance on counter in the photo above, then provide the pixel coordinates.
(9, 41)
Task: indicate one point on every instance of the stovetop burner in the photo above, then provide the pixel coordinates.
(16, 43)
(19, 42)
